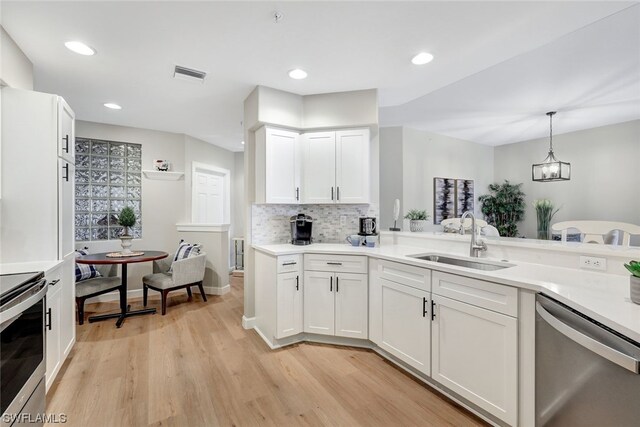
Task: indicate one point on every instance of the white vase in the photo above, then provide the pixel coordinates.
(634, 289)
(125, 242)
(416, 224)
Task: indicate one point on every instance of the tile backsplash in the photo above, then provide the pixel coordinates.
(270, 223)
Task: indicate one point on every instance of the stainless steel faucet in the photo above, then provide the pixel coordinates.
(475, 248)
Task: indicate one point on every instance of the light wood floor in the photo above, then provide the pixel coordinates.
(197, 366)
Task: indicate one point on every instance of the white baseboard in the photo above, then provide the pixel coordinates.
(210, 290)
(137, 293)
(249, 323)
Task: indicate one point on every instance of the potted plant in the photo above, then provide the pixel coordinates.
(634, 269)
(417, 218)
(126, 219)
(545, 213)
(504, 207)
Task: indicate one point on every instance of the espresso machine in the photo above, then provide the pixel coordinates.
(301, 226)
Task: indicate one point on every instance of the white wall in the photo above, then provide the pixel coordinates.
(16, 70)
(391, 179)
(355, 108)
(605, 175)
(428, 155)
(237, 190)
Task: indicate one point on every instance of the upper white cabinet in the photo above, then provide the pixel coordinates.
(319, 169)
(66, 132)
(312, 168)
(278, 166)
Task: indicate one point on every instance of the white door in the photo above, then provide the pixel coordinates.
(66, 208)
(52, 319)
(319, 302)
(319, 173)
(209, 194)
(406, 324)
(352, 166)
(282, 167)
(66, 132)
(475, 354)
(289, 304)
(351, 318)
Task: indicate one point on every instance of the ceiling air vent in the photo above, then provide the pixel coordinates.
(190, 74)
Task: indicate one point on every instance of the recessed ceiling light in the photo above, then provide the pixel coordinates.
(422, 58)
(113, 106)
(80, 48)
(242, 142)
(298, 74)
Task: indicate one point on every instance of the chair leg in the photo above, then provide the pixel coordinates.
(145, 294)
(80, 304)
(204, 296)
(164, 302)
(189, 292)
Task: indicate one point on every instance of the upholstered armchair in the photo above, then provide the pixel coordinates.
(185, 273)
(90, 288)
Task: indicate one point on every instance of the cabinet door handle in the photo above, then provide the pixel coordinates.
(433, 310)
(66, 144)
(333, 263)
(289, 263)
(54, 282)
(66, 172)
(337, 283)
(337, 193)
(48, 324)
(297, 193)
(297, 283)
(331, 284)
(424, 307)
(331, 193)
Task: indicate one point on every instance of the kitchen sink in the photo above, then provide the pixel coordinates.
(463, 262)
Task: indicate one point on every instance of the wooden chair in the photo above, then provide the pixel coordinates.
(601, 232)
(90, 288)
(186, 273)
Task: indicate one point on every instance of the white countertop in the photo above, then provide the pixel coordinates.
(603, 297)
(28, 267)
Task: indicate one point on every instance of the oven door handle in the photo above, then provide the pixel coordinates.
(11, 313)
(611, 354)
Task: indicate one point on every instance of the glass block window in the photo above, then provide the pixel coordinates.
(108, 178)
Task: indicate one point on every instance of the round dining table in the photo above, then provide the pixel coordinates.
(125, 309)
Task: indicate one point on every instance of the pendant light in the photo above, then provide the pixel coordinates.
(551, 169)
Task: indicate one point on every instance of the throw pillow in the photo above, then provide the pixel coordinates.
(85, 271)
(185, 250)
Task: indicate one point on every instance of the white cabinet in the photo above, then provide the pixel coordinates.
(278, 166)
(319, 302)
(336, 167)
(66, 208)
(53, 325)
(66, 132)
(319, 171)
(474, 354)
(351, 306)
(352, 166)
(405, 320)
(289, 304)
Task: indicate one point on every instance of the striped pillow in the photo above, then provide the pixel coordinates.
(85, 271)
(185, 250)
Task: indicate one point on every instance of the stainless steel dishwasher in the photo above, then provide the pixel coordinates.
(586, 373)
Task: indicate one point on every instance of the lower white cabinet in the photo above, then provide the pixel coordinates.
(336, 304)
(52, 322)
(405, 324)
(474, 354)
(289, 302)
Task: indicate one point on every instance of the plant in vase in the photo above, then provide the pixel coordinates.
(504, 207)
(545, 213)
(634, 269)
(417, 218)
(126, 219)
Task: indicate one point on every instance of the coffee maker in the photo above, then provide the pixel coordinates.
(368, 226)
(301, 225)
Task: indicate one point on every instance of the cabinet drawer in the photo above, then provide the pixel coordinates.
(337, 263)
(54, 278)
(289, 263)
(415, 277)
(492, 296)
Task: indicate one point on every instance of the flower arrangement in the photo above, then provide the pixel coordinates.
(545, 212)
(416, 219)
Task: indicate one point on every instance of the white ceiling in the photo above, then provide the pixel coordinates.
(342, 45)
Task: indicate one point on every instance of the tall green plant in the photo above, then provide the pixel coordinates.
(504, 207)
(126, 219)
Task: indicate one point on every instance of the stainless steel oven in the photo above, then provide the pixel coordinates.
(586, 373)
(22, 348)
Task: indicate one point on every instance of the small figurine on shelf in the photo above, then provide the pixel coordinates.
(162, 165)
(126, 219)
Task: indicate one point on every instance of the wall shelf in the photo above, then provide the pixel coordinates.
(164, 176)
